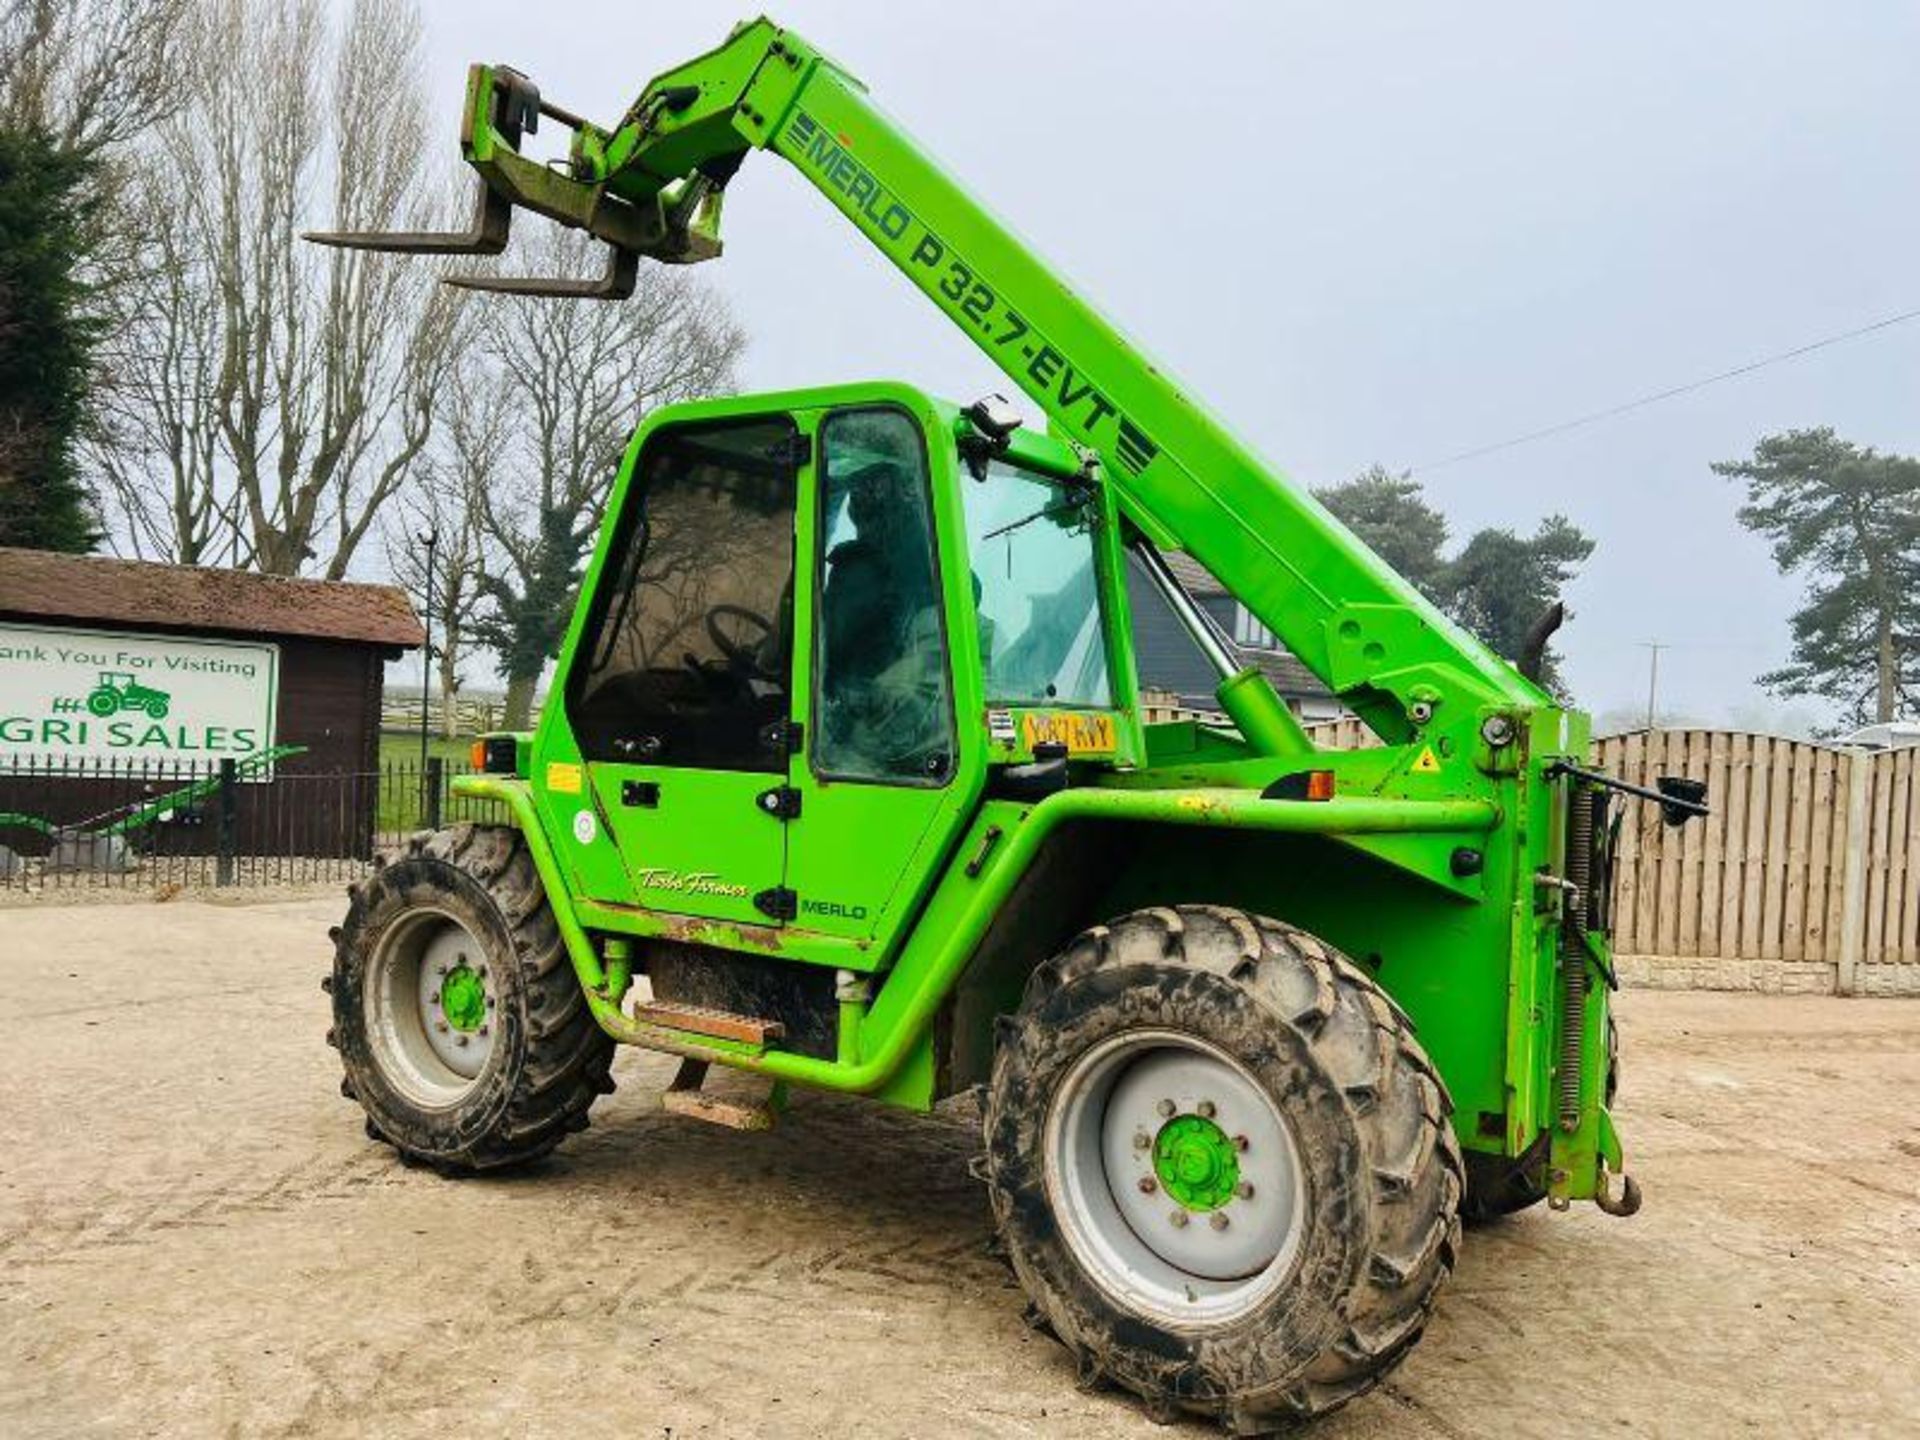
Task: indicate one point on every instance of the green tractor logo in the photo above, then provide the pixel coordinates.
(115, 693)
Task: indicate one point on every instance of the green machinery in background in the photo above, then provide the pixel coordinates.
(112, 840)
(843, 781)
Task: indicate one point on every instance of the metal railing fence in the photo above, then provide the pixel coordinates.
(146, 825)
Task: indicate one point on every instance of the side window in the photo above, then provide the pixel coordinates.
(883, 708)
(688, 649)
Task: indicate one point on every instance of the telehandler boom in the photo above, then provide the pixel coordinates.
(843, 781)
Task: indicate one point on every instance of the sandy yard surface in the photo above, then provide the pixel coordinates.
(197, 1238)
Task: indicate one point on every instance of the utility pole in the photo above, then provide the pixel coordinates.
(1653, 649)
(430, 539)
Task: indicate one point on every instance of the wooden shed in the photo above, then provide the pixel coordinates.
(111, 665)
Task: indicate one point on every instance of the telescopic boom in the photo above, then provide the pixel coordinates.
(652, 186)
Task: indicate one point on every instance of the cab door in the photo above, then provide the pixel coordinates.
(681, 696)
(879, 785)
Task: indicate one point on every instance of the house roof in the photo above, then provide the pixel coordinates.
(1194, 577)
(99, 590)
(1290, 677)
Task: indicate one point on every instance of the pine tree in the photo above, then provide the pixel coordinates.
(1849, 518)
(1393, 519)
(1499, 583)
(46, 343)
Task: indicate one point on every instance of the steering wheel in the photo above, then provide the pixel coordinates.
(742, 653)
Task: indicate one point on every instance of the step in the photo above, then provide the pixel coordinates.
(717, 1024)
(685, 1097)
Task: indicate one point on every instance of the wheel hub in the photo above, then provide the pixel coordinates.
(433, 1011)
(456, 1003)
(1175, 1176)
(463, 998)
(1196, 1162)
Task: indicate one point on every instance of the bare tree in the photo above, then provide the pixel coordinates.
(157, 450)
(577, 379)
(449, 503)
(279, 396)
(91, 74)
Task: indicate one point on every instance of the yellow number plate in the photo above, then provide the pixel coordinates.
(1081, 734)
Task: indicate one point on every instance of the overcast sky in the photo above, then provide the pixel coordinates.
(1389, 233)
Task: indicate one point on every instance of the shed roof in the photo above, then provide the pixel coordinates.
(100, 590)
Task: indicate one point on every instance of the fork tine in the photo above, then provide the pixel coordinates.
(623, 270)
(492, 223)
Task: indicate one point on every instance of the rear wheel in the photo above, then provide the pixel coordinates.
(1222, 1166)
(462, 1029)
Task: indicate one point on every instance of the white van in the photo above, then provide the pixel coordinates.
(1893, 735)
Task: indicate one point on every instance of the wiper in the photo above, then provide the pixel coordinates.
(1065, 507)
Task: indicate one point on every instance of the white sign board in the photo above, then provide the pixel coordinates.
(94, 698)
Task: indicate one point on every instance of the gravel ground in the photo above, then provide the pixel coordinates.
(196, 1238)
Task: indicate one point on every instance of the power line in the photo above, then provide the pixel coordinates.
(1645, 400)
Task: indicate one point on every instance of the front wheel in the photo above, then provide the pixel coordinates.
(462, 1028)
(1222, 1166)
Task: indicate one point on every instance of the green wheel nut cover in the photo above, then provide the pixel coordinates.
(1196, 1161)
(463, 998)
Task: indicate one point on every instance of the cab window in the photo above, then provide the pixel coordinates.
(884, 707)
(1036, 584)
(688, 649)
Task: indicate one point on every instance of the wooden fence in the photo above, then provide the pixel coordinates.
(1159, 706)
(472, 715)
(1804, 877)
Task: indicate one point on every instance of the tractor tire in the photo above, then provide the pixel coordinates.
(103, 703)
(460, 1023)
(1277, 1075)
(1498, 1187)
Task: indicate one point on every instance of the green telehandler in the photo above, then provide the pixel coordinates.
(844, 782)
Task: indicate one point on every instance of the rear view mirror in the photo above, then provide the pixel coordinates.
(1683, 798)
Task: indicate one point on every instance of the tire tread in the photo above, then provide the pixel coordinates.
(1393, 1094)
(568, 1059)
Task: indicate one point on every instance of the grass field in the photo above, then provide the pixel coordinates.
(402, 803)
(399, 747)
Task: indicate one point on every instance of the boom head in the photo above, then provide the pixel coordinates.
(674, 219)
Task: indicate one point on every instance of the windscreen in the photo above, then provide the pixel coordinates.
(1031, 542)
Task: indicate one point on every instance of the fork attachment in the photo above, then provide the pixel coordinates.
(678, 224)
(514, 104)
